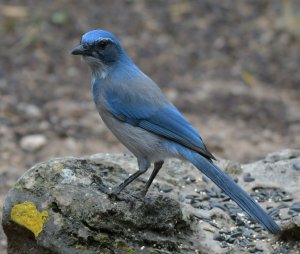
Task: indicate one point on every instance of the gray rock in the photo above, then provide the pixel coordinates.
(55, 207)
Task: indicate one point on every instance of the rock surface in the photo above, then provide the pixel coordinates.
(55, 207)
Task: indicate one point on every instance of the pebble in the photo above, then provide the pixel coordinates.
(274, 212)
(239, 221)
(201, 217)
(248, 178)
(206, 219)
(260, 237)
(224, 244)
(256, 250)
(30, 110)
(166, 189)
(230, 240)
(191, 196)
(226, 199)
(296, 166)
(282, 206)
(189, 179)
(295, 207)
(287, 199)
(218, 237)
(243, 243)
(284, 214)
(258, 228)
(247, 232)
(237, 234)
(214, 203)
(292, 213)
(33, 142)
(205, 197)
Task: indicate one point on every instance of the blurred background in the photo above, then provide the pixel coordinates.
(232, 67)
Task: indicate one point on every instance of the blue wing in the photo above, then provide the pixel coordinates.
(163, 119)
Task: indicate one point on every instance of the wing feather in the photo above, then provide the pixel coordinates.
(159, 117)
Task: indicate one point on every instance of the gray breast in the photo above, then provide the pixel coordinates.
(141, 143)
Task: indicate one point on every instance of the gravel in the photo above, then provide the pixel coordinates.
(246, 232)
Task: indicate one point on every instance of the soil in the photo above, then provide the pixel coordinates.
(231, 67)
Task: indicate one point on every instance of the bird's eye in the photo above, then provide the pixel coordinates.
(102, 43)
(85, 45)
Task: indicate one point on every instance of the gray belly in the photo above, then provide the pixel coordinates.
(141, 143)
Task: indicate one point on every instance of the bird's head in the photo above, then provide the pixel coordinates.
(100, 49)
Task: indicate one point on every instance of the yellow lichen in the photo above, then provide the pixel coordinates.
(28, 216)
(58, 167)
(18, 186)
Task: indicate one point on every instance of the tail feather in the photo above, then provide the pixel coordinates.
(234, 191)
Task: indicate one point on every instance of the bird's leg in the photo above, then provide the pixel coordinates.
(143, 167)
(157, 167)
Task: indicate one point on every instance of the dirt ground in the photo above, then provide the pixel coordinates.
(232, 67)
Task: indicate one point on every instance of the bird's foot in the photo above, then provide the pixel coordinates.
(105, 189)
(142, 193)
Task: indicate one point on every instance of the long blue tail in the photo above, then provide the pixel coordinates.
(234, 191)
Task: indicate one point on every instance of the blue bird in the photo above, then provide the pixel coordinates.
(147, 123)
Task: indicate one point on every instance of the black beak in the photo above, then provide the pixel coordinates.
(80, 50)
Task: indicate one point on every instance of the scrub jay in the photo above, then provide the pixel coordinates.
(147, 123)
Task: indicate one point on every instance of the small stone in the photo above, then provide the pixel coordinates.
(166, 188)
(282, 206)
(274, 212)
(218, 237)
(210, 192)
(292, 213)
(256, 250)
(287, 199)
(230, 240)
(191, 196)
(201, 217)
(296, 165)
(237, 234)
(205, 197)
(295, 207)
(30, 110)
(283, 215)
(247, 178)
(213, 224)
(33, 142)
(258, 228)
(239, 221)
(214, 203)
(260, 237)
(226, 199)
(189, 179)
(224, 245)
(244, 243)
(247, 232)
